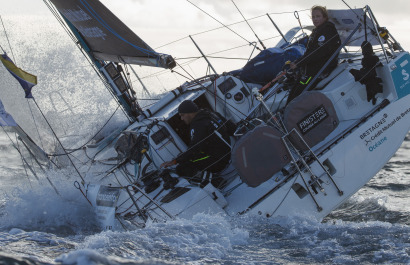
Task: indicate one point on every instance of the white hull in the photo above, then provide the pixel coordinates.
(362, 144)
(354, 165)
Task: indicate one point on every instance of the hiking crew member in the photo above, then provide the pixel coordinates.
(209, 148)
(323, 42)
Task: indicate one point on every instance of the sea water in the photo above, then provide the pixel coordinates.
(39, 226)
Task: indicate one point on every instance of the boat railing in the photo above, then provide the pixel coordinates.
(295, 144)
(141, 213)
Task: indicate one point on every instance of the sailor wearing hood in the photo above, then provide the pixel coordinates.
(367, 75)
(323, 42)
(209, 148)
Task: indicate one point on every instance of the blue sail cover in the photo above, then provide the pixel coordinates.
(264, 67)
(107, 37)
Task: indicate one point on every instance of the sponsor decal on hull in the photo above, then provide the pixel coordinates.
(107, 196)
(401, 76)
(106, 200)
(374, 136)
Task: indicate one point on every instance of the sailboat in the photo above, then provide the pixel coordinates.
(305, 158)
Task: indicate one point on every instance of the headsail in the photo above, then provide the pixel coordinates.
(108, 38)
(5, 118)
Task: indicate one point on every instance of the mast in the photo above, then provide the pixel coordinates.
(117, 84)
(107, 42)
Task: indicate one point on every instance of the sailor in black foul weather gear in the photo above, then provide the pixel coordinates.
(367, 75)
(209, 147)
(323, 42)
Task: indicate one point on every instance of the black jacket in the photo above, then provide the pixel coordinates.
(323, 42)
(204, 142)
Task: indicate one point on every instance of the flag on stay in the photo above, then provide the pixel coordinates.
(26, 80)
(5, 118)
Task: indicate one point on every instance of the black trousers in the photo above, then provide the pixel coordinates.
(211, 164)
(300, 86)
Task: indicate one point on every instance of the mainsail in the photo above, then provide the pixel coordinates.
(107, 37)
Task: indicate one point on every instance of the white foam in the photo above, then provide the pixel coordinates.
(39, 207)
(209, 236)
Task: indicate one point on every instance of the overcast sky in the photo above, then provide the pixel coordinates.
(160, 22)
(180, 14)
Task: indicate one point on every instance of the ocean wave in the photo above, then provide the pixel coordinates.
(373, 209)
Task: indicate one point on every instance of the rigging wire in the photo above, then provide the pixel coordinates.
(225, 26)
(363, 20)
(81, 147)
(214, 57)
(78, 172)
(35, 123)
(315, 50)
(55, 12)
(208, 55)
(66, 153)
(75, 40)
(7, 37)
(347, 4)
(218, 28)
(249, 25)
(25, 163)
(161, 72)
(213, 94)
(296, 14)
(139, 79)
(15, 61)
(188, 78)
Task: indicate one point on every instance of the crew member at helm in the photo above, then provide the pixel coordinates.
(323, 42)
(209, 148)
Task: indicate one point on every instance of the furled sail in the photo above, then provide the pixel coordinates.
(107, 37)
